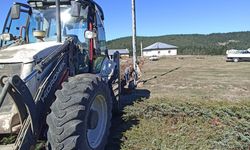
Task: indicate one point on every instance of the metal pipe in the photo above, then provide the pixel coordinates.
(58, 21)
(30, 76)
(4, 92)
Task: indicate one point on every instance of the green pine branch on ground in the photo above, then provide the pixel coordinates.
(178, 124)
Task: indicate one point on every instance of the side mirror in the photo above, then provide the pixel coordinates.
(90, 34)
(6, 37)
(15, 11)
(75, 9)
(78, 11)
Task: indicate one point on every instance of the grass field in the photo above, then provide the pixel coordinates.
(194, 103)
(208, 78)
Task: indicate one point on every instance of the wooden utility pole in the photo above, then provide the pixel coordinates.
(141, 50)
(134, 35)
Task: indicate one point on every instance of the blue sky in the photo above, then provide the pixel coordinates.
(161, 17)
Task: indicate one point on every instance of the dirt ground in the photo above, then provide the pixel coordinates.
(175, 87)
(206, 77)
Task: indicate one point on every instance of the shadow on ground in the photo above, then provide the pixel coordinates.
(119, 126)
(161, 75)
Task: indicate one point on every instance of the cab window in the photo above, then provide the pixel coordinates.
(101, 34)
(16, 27)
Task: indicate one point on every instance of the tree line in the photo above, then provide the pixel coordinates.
(191, 44)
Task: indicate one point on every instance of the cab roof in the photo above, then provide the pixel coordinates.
(67, 2)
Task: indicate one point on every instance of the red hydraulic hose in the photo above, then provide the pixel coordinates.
(91, 45)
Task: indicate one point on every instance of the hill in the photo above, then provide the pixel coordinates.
(192, 44)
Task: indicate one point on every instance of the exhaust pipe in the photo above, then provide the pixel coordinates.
(58, 19)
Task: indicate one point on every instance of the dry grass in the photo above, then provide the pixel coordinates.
(210, 78)
(205, 104)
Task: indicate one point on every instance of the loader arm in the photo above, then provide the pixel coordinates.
(34, 109)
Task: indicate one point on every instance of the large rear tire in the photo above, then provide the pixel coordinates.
(80, 117)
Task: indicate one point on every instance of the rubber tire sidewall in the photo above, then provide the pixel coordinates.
(93, 87)
(98, 91)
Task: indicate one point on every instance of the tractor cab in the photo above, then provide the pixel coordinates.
(43, 23)
(36, 22)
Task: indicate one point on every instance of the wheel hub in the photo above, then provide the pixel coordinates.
(97, 121)
(93, 119)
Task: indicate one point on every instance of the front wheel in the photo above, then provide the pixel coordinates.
(80, 117)
(236, 59)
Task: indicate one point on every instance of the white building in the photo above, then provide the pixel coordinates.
(160, 49)
(124, 53)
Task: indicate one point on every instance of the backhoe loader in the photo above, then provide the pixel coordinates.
(57, 81)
